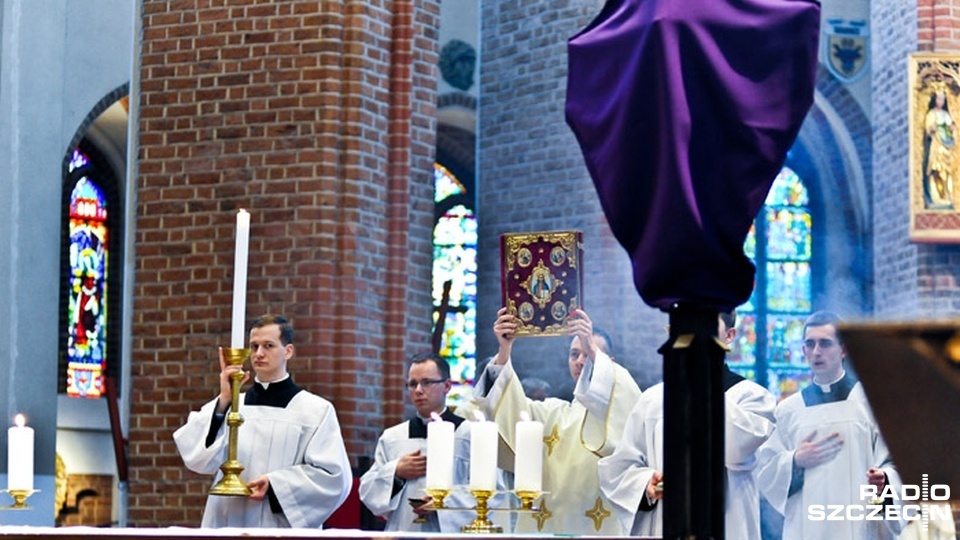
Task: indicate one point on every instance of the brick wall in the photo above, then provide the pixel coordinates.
(936, 21)
(938, 266)
(532, 177)
(318, 117)
(912, 280)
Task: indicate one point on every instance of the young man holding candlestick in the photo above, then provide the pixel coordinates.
(576, 433)
(632, 476)
(290, 446)
(394, 486)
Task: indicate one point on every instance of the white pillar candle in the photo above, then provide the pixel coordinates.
(483, 456)
(528, 460)
(240, 280)
(439, 454)
(20, 455)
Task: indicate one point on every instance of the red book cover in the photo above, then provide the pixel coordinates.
(541, 279)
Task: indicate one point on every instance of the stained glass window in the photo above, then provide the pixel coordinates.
(87, 279)
(455, 261)
(770, 327)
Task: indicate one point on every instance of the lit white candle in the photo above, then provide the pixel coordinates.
(483, 455)
(240, 279)
(439, 454)
(528, 460)
(20, 455)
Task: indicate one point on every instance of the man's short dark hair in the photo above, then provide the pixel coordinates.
(729, 318)
(597, 331)
(442, 365)
(822, 318)
(286, 327)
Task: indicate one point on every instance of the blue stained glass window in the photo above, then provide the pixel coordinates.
(743, 349)
(788, 190)
(788, 287)
(788, 234)
(770, 327)
(445, 184)
(784, 334)
(87, 303)
(455, 260)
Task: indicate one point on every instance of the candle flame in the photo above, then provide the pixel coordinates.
(436, 417)
(20, 420)
(525, 416)
(478, 416)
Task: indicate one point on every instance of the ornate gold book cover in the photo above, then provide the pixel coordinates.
(541, 279)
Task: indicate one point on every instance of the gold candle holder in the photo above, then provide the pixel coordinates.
(438, 495)
(231, 485)
(527, 498)
(20, 497)
(481, 525)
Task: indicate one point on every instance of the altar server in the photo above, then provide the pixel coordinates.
(827, 447)
(631, 477)
(393, 488)
(289, 444)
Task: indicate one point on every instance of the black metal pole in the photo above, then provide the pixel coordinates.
(693, 476)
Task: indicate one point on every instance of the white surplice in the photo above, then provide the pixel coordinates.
(576, 434)
(836, 482)
(377, 484)
(624, 475)
(299, 447)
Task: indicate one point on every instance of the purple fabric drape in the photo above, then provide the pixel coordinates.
(684, 110)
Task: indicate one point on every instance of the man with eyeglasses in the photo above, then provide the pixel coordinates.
(393, 487)
(826, 446)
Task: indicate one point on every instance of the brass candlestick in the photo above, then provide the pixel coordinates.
(20, 497)
(481, 525)
(527, 498)
(231, 485)
(438, 495)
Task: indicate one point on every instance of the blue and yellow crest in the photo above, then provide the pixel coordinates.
(846, 48)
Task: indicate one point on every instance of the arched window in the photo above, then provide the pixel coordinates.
(90, 288)
(455, 261)
(87, 283)
(770, 324)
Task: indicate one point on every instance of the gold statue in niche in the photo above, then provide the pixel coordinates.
(939, 151)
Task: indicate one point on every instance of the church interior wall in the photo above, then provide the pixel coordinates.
(896, 261)
(828, 158)
(320, 118)
(344, 184)
(532, 178)
(59, 59)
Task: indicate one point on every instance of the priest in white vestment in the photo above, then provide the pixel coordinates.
(393, 487)
(576, 434)
(289, 444)
(631, 477)
(827, 448)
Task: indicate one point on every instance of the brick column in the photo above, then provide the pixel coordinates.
(318, 117)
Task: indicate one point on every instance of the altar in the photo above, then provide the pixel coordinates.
(187, 533)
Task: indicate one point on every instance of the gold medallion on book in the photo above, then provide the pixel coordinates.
(541, 279)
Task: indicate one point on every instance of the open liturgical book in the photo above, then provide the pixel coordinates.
(541, 277)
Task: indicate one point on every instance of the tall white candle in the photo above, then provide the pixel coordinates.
(240, 279)
(483, 456)
(20, 455)
(439, 454)
(528, 461)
